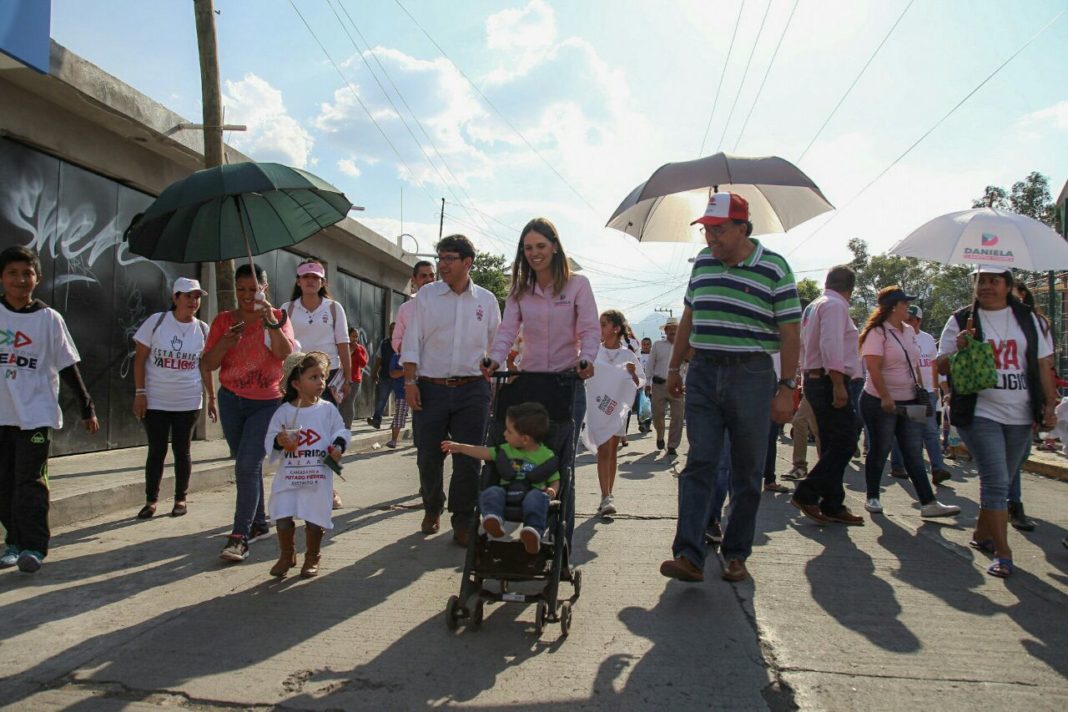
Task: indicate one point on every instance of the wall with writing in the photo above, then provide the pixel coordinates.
(74, 219)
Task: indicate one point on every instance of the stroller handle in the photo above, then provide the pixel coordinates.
(569, 374)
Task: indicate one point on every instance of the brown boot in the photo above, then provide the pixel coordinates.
(287, 554)
(313, 539)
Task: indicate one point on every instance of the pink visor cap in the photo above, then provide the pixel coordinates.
(723, 207)
(311, 268)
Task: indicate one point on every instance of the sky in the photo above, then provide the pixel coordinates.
(515, 110)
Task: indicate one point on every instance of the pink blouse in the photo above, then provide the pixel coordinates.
(881, 342)
(558, 331)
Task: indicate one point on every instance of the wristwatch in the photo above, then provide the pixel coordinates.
(789, 383)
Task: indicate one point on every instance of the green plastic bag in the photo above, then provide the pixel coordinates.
(972, 368)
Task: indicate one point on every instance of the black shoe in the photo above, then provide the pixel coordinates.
(375, 423)
(671, 453)
(659, 444)
(899, 473)
(257, 532)
(1018, 519)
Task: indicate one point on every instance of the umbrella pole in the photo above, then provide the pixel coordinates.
(244, 234)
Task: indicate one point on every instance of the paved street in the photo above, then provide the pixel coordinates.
(897, 614)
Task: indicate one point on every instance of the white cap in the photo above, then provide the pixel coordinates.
(992, 269)
(184, 285)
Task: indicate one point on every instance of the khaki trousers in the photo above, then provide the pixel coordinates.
(662, 402)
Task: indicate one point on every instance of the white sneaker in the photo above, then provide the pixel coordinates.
(607, 506)
(937, 509)
(491, 523)
(874, 506)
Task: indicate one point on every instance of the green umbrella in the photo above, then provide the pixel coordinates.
(233, 210)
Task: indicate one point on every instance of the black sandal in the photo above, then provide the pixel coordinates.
(147, 511)
(179, 509)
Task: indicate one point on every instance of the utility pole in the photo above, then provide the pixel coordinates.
(441, 222)
(211, 98)
(669, 312)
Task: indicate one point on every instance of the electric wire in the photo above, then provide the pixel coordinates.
(437, 151)
(931, 130)
(359, 100)
(854, 82)
(745, 73)
(764, 81)
(722, 74)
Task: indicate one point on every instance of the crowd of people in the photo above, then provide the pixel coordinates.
(745, 357)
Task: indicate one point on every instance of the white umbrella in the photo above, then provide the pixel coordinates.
(661, 209)
(987, 236)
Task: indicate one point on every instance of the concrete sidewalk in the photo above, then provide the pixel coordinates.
(96, 483)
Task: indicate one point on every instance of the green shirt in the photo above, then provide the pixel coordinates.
(740, 308)
(523, 461)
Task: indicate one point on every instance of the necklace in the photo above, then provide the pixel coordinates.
(1000, 333)
(612, 355)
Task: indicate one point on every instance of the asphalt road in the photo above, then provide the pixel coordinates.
(897, 614)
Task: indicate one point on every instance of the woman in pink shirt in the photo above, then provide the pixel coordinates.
(888, 347)
(557, 313)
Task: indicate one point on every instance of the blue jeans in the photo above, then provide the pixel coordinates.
(884, 429)
(838, 430)
(722, 486)
(535, 506)
(385, 387)
(930, 442)
(459, 414)
(736, 400)
(244, 423)
(999, 451)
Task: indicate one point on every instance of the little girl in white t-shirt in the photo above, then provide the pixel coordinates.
(307, 436)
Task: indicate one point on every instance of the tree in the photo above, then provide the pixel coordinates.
(993, 197)
(808, 289)
(491, 272)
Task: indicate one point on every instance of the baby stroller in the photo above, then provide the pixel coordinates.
(507, 562)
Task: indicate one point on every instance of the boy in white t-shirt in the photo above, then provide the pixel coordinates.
(35, 351)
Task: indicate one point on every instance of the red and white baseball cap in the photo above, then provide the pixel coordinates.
(723, 207)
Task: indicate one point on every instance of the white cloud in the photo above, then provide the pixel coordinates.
(272, 133)
(349, 167)
(524, 36)
(1052, 117)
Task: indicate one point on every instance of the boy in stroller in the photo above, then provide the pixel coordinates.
(527, 471)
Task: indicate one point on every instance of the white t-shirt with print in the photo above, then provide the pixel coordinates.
(303, 486)
(319, 330)
(173, 381)
(928, 354)
(34, 348)
(1009, 401)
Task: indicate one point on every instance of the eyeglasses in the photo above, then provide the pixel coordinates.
(716, 230)
(449, 258)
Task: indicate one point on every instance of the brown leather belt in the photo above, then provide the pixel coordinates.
(815, 373)
(451, 381)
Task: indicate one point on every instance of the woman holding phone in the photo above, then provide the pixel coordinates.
(248, 345)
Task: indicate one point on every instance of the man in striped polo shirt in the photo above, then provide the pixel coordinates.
(741, 306)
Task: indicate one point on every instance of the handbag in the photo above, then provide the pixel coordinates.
(972, 368)
(921, 397)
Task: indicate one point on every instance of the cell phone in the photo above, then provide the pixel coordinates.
(237, 326)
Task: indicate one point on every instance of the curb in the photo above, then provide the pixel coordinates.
(1057, 472)
(131, 495)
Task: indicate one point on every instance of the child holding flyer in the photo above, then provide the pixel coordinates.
(35, 352)
(304, 434)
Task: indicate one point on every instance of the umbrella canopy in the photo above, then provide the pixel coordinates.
(233, 210)
(661, 209)
(986, 236)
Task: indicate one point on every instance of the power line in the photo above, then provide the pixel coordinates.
(766, 73)
(722, 74)
(496, 110)
(356, 95)
(929, 131)
(400, 95)
(855, 80)
(745, 73)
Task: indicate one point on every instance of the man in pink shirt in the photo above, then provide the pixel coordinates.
(422, 273)
(829, 361)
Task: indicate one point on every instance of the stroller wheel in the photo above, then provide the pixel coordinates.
(476, 615)
(540, 612)
(452, 612)
(565, 617)
(576, 583)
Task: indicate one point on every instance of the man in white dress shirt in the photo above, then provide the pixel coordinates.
(450, 331)
(657, 390)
